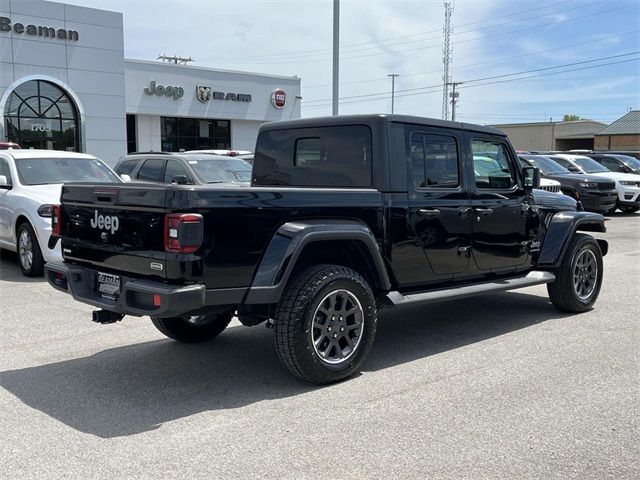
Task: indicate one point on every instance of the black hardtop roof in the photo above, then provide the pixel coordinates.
(375, 118)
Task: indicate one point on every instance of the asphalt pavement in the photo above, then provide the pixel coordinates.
(500, 386)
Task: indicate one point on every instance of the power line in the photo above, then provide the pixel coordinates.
(326, 51)
(489, 62)
(486, 83)
(438, 45)
(489, 78)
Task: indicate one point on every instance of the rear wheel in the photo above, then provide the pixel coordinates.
(325, 323)
(29, 253)
(193, 329)
(579, 278)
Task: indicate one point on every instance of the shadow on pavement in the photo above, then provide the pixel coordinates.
(136, 388)
(10, 270)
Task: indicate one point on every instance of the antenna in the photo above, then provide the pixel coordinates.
(175, 59)
(446, 58)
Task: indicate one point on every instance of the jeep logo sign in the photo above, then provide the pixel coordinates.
(105, 222)
(278, 98)
(161, 90)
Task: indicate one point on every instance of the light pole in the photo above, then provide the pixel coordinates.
(393, 88)
(336, 51)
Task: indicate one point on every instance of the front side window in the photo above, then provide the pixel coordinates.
(175, 169)
(127, 167)
(434, 161)
(152, 170)
(337, 156)
(42, 171)
(491, 165)
(4, 171)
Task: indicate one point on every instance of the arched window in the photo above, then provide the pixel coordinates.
(39, 114)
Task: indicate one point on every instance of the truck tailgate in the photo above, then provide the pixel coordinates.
(119, 227)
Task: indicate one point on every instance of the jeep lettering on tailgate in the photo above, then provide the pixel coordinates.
(105, 222)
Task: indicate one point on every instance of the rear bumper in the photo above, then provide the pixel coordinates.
(137, 297)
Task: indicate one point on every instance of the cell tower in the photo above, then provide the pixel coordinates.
(446, 58)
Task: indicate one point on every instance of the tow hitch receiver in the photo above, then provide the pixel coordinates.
(105, 316)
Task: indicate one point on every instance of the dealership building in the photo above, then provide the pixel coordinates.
(65, 84)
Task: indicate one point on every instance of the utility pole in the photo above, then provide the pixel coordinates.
(454, 99)
(336, 55)
(393, 88)
(175, 59)
(446, 58)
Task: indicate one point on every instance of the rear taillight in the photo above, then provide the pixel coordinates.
(183, 232)
(56, 220)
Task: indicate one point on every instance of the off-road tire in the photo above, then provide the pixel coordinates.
(294, 320)
(36, 269)
(186, 331)
(562, 292)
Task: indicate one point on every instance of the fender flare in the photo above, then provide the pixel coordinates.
(561, 228)
(286, 245)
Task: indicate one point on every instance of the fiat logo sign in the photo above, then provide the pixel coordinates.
(278, 98)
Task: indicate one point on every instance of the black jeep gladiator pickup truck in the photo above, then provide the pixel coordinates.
(344, 216)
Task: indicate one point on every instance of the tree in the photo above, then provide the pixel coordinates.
(570, 117)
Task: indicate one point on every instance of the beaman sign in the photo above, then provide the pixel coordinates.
(37, 30)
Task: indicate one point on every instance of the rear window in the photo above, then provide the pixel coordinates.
(314, 157)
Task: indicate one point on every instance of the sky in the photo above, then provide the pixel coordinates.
(579, 57)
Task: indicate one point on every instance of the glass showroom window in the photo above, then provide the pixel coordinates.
(39, 114)
(194, 134)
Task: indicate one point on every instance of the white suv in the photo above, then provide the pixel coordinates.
(627, 184)
(30, 183)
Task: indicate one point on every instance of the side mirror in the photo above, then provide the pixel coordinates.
(180, 179)
(125, 178)
(4, 182)
(531, 177)
(573, 169)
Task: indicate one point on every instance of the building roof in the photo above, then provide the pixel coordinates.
(628, 124)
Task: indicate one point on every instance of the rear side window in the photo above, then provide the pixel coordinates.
(152, 170)
(127, 167)
(434, 161)
(314, 157)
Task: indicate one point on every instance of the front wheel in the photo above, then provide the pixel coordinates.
(579, 279)
(193, 329)
(325, 323)
(29, 253)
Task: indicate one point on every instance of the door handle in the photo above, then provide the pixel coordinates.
(428, 212)
(464, 213)
(483, 212)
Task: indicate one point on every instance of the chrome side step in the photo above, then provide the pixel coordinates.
(533, 278)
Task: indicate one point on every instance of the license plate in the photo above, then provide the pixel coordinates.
(108, 285)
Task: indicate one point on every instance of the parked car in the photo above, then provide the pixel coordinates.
(342, 219)
(30, 182)
(595, 193)
(227, 153)
(9, 146)
(627, 184)
(628, 153)
(617, 163)
(183, 168)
